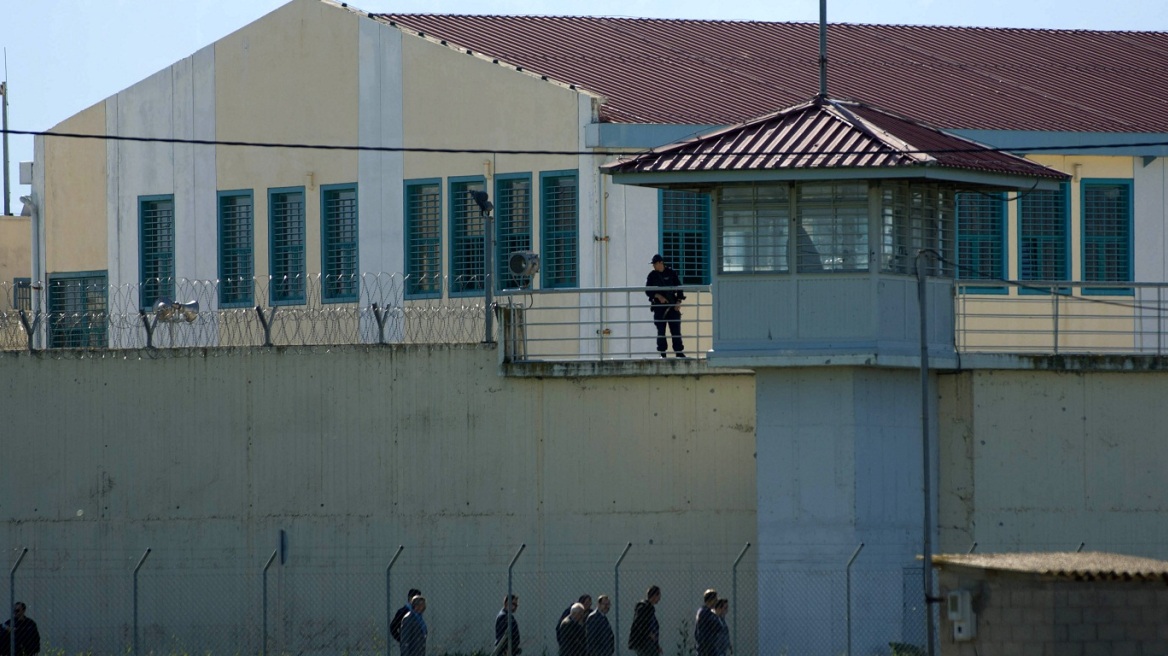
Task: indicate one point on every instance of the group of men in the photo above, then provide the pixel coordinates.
(581, 631)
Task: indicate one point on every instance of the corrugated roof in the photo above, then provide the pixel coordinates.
(724, 72)
(1085, 566)
(825, 133)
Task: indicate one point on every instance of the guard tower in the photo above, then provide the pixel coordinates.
(822, 214)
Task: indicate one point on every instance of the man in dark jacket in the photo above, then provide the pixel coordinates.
(507, 642)
(395, 624)
(570, 633)
(665, 304)
(645, 633)
(598, 631)
(28, 638)
(706, 625)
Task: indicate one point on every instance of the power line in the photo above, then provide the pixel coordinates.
(573, 153)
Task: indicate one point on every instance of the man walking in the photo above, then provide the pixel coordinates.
(28, 638)
(395, 623)
(645, 633)
(665, 304)
(507, 642)
(597, 630)
(706, 624)
(413, 629)
(570, 633)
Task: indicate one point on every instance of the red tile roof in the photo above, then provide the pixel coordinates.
(723, 72)
(826, 133)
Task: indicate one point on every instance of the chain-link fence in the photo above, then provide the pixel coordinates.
(184, 602)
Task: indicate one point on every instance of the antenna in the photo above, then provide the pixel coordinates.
(822, 48)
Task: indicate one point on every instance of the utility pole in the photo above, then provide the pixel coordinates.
(4, 113)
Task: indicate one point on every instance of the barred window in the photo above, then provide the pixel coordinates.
(467, 259)
(559, 209)
(832, 227)
(156, 241)
(754, 229)
(423, 238)
(1043, 235)
(338, 215)
(981, 236)
(1107, 230)
(512, 224)
(286, 221)
(685, 234)
(22, 294)
(77, 304)
(236, 244)
(916, 216)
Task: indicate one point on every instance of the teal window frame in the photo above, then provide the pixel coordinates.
(78, 309)
(236, 248)
(514, 213)
(989, 237)
(286, 257)
(156, 230)
(423, 240)
(1053, 241)
(683, 223)
(22, 294)
(559, 230)
(340, 277)
(1118, 242)
(467, 250)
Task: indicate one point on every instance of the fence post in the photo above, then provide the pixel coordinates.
(30, 329)
(734, 593)
(266, 323)
(1054, 293)
(12, 601)
(388, 600)
(138, 567)
(264, 643)
(616, 595)
(848, 608)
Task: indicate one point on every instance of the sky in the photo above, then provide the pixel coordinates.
(62, 56)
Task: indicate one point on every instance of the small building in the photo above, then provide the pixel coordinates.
(1052, 603)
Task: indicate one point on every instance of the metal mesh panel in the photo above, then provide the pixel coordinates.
(559, 208)
(236, 256)
(1107, 220)
(916, 217)
(512, 225)
(754, 229)
(77, 311)
(466, 242)
(981, 238)
(286, 210)
(685, 230)
(156, 238)
(1043, 235)
(340, 281)
(424, 238)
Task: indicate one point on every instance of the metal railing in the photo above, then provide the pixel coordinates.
(1061, 317)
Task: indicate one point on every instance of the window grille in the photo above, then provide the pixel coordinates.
(559, 208)
(831, 227)
(914, 217)
(236, 246)
(22, 294)
(981, 236)
(1043, 235)
(1107, 231)
(685, 234)
(467, 260)
(340, 278)
(77, 304)
(156, 239)
(512, 224)
(286, 218)
(754, 229)
(423, 238)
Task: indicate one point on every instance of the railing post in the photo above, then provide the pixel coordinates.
(848, 608)
(616, 595)
(1054, 293)
(510, 651)
(734, 593)
(388, 598)
(138, 567)
(264, 642)
(12, 601)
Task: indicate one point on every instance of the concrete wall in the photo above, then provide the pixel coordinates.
(15, 252)
(74, 195)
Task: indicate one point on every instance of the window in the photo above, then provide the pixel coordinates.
(1043, 235)
(156, 241)
(340, 280)
(559, 208)
(236, 257)
(467, 259)
(754, 229)
(917, 216)
(423, 199)
(512, 224)
(77, 310)
(981, 238)
(1107, 232)
(831, 227)
(22, 294)
(685, 234)
(286, 235)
